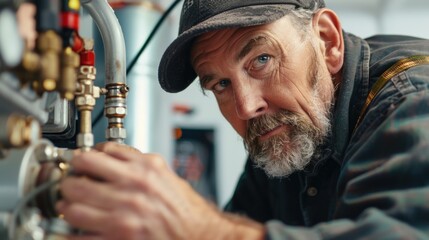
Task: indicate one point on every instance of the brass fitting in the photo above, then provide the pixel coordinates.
(85, 101)
(48, 45)
(67, 83)
(87, 92)
(28, 68)
(20, 131)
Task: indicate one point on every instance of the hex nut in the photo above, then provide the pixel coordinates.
(85, 140)
(116, 133)
(85, 100)
(116, 111)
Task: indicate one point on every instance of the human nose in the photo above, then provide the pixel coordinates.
(249, 101)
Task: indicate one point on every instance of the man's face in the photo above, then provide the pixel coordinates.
(273, 87)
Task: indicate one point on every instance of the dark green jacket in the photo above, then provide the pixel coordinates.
(373, 181)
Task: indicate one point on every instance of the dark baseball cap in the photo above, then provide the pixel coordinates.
(175, 71)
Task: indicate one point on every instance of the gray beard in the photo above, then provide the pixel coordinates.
(286, 152)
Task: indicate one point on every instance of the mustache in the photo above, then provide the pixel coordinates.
(257, 127)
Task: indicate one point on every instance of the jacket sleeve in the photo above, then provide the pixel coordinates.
(383, 188)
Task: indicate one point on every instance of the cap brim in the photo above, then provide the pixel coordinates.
(175, 71)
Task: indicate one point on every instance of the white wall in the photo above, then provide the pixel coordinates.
(368, 17)
(406, 17)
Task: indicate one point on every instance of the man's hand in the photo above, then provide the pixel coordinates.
(126, 194)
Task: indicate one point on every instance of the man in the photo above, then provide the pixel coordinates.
(326, 161)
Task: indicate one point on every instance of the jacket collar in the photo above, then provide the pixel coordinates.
(352, 92)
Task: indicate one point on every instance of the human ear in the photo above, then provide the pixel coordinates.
(327, 27)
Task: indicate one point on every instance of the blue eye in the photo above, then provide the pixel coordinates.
(263, 59)
(221, 85)
(260, 61)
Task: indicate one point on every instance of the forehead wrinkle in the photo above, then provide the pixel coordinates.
(200, 44)
(251, 44)
(200, 61)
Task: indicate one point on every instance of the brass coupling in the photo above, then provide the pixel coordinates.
(115, 110)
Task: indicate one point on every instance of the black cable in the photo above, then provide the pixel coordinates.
(145, 44)
(151, 35)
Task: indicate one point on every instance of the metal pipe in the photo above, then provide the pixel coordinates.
(113, 39)
(115, 66)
